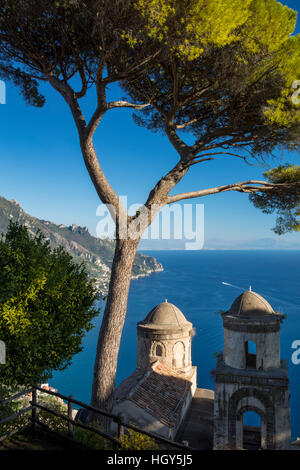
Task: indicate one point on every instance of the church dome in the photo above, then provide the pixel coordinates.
(165, 315)
(250, 304)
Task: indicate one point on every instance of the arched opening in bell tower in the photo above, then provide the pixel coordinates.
(250, 353)
(252, 430)
(158, 350)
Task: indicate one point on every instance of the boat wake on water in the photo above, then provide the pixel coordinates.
(265, 295)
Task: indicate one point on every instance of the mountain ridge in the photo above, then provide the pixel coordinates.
(95, 252)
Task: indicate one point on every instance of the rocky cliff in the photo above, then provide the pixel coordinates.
(96, 253)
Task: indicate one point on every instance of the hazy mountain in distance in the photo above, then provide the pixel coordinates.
(267, 243)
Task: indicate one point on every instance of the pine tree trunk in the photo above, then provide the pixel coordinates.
(111, 328)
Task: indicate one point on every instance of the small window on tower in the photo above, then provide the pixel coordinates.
(250, 351)
(158, 350)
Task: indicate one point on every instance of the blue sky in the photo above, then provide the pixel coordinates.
(42, 168)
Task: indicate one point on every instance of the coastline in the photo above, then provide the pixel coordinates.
(146, 274)
(158, 269)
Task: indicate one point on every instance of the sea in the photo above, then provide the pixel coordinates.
(201, 284)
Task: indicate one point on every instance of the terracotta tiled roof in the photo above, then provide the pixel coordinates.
(162, 393)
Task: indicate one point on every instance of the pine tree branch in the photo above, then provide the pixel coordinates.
(243, 187)
(125, 104)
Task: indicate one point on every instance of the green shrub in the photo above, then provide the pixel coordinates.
(92, 439)
(136, 441)
(53, 422)
(11, 408)
(47, 304)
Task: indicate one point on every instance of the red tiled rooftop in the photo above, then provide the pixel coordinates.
(161, 393)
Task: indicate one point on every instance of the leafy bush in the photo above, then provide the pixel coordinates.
(136, 441)
(53, 422)
(11, 408)
(132, 440)
(92, 439)
(46, 307)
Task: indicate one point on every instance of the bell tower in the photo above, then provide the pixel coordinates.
(165, 335)
(251, 377)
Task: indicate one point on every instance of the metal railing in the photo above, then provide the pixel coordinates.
(15, 415)
(34, 420)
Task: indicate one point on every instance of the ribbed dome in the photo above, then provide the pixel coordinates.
(167, 315)
(250, 304)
